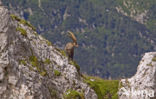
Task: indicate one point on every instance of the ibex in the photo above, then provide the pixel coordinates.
(69, 48)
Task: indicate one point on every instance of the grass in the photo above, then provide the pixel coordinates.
(35, 63)
(73, 94)
(23, 31)
(57, 73)
(105, 89)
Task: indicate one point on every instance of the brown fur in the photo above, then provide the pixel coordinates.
(69, 48)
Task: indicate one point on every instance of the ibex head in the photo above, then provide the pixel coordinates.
(72, 36)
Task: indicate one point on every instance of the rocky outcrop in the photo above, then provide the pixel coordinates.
(31, 67)
(143, 84)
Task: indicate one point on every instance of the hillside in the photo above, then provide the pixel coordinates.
(111, 42)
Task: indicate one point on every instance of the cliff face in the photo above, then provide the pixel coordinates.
(31, 67)
(143, 84)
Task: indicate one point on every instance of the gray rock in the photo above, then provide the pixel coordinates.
(142, 85)
(29, 65)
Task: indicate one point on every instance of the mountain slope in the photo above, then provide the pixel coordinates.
(110, 43)
(32, 68)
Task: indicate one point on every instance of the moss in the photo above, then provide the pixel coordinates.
(57, 73)
(23, 31)
(154, 58)
(47, 61)
(73, 94)
(23, 62)
(76, 65)
(105, 89)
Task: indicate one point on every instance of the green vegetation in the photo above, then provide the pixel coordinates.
(14, 17)
(23, 62)
(48, 42)
(23, 31)
(154, 58)
(105, 89)
(33, 60)
(57, 73)
(47, 61)
(35, 63)
(73, 94)
(22, 21)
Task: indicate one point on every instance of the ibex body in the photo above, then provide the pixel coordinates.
(69, 48)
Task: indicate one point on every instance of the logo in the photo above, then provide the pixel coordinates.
(134, 92)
